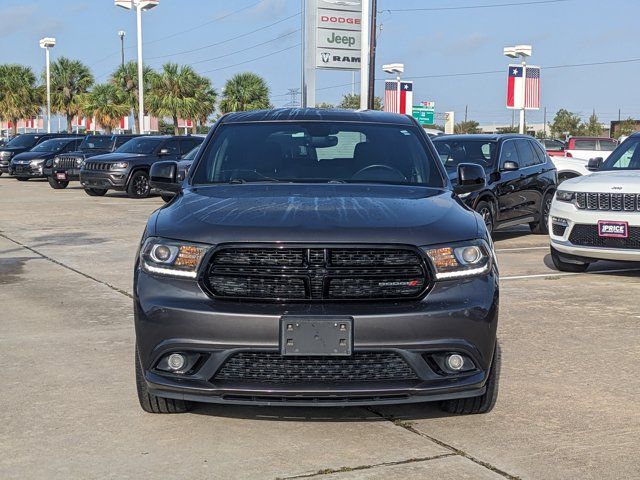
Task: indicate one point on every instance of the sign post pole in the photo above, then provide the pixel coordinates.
(364, 56)
(309, 21)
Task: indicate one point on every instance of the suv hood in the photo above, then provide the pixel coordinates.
(623, 181)
(316, 213)
(117, 157)
(33, 156)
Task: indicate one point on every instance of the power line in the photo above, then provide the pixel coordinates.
(217, 19)
(247, 48)
(474, 7)
(253, 59)
(242, 35)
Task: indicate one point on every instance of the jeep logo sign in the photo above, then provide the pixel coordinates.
(339, 39)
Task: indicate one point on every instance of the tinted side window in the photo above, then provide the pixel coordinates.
(607, 145)
(172, 146)
(188, 144)
(508, 153)
(585, 145)
(539, 152)
(525, 153)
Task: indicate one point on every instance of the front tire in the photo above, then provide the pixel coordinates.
(58, 184)
(139, 185)
(486, 211)
(566, 266)
(483, 403)
(22, 179)
(151, 403)
(95, 192)
(542, 227)
(167, 198)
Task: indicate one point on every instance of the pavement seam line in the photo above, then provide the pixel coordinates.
(59, 263)
(330, 471)
(409, 427)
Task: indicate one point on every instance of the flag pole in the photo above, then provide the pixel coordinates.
(524, 93)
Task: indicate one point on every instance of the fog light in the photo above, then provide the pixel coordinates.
(560, 221)
(455, 362)
(176, 361)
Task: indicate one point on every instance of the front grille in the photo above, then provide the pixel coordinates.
(587, 236)
(97, 166)
(67, 161)
(298, 273)
(271, 367)
(615, 202)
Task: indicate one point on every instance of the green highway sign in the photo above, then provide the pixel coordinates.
(424, 115)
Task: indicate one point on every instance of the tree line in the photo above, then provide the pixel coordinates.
(174, 91)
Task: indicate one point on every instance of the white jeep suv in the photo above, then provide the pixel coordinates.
(597, 217)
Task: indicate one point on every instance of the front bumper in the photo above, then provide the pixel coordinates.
(175, 315)
(69, 173)
(575, 216)
(25, 171)
(116, 180)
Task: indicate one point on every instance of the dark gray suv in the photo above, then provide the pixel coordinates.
(316, 257)
(127, 168)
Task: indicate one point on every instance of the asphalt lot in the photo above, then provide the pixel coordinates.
(568, 405)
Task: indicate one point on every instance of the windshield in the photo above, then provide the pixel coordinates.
(53, 145)
(318, 152)
(143, 146)
(453, 152)
(95, 142)
(625, 157)
(23, 141)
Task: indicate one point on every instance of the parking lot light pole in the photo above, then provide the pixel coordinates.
(48, 43)
(139, 6)
(520, 51)
(122, 34)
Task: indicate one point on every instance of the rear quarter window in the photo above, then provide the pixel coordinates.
(585, 145)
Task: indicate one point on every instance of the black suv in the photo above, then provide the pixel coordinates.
(316, 257)
(520, 177)
(66, 167)
(23, 143)
(26, 165)
(128, 167)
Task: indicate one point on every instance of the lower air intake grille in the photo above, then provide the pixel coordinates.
(268, 367)
(587, 236)
(299, 273)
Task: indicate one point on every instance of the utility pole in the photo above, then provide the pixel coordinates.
(619, 114)
(122, 34)
(372, 54)
(544, 123)
(293, 92)
(364, 56)
(466, 111)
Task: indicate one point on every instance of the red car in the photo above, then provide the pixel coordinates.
(554, 148)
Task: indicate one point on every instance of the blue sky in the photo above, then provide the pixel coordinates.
(428, 42)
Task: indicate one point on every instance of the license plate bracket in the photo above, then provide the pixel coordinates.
(315, 336)
(61, 176)
(611, 229)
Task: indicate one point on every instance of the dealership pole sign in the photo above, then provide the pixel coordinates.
(338, 34)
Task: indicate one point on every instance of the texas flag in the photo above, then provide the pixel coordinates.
(515, 87)
(406, 98)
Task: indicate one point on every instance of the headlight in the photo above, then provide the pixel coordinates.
(461, 260)
(79, 161)
(37, 162)
(56, 160)
(564, 196)
(168, 257)
(117, 165)
(50, 162)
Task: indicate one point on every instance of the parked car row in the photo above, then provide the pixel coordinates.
(99, 162)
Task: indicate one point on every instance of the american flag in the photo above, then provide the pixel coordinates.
(391, 98)
(532, 88)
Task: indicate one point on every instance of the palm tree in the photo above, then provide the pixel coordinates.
(245, 91)
(125, 78)
(105, 103)
(20, 96)
(174, 93)
(70, 80)
(206, 101)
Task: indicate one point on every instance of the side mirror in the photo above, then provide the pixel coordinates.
(164, 176)
(509, 166)
(163, 152)
(595, 164)
(471, 178)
